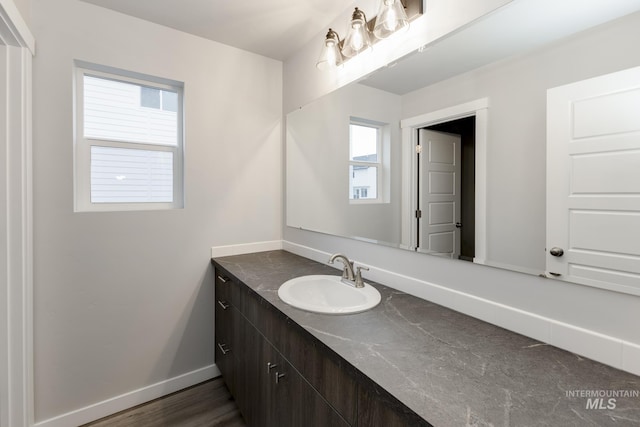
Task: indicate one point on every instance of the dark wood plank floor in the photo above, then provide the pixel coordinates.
(203, 405)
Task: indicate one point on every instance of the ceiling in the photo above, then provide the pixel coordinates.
(279, 28)
(273, 28)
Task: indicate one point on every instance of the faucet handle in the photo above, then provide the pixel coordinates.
(359, 282)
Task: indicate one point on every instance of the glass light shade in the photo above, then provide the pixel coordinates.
(358, 39)
(391, 17)
(330, 56)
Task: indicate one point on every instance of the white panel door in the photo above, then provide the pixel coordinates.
(593, 182)
(439, 196)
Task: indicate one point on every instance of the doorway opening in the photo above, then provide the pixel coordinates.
(469, 121)
(458, 235)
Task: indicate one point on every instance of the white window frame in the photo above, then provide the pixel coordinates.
(379, 164)
(82, 145)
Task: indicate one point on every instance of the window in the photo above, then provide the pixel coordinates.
(158, 99)
(128, 144)
(365, 161)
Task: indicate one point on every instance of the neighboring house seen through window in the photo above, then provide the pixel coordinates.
(129, 145)
(365, 161)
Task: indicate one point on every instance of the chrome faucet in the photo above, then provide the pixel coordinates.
(348, 276)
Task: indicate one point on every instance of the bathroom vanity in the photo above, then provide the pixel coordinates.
(405, 362)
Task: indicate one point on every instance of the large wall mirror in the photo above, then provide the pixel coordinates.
(460, 128)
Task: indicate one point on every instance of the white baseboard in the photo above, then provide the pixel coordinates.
(130, 399)
(590, 344)
(631, 357)
(245, 248)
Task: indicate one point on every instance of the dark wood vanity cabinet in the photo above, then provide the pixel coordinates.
(280, 375)
(268, 389)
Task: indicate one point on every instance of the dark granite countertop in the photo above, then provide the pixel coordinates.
(451, 369)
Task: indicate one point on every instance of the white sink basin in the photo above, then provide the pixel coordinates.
(328, 295)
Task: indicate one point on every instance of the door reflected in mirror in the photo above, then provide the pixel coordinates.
(446, 189)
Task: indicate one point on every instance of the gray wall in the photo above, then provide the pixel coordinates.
(124, 300)
(24, 7)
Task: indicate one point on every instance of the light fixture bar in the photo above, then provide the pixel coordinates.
(334, 53)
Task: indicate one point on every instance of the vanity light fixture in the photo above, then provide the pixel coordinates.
(393, 15)
(330, 56)
(358, 38)
(391, 18)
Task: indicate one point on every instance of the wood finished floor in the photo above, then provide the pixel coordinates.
(203, 405)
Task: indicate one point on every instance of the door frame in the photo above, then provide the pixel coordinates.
(478, 108)
(16, 216)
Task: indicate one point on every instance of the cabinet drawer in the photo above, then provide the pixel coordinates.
(223, 289)
(227, 346)
(223, 301)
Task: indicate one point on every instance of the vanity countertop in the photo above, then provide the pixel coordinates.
(451, 369)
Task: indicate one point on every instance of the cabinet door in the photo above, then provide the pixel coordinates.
(252, 384)
(333, 378)
(377, 408)
(292, 401)
(270, 392)
(329, 375)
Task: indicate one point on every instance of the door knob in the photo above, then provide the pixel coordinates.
(555, 251)
(458, 225)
